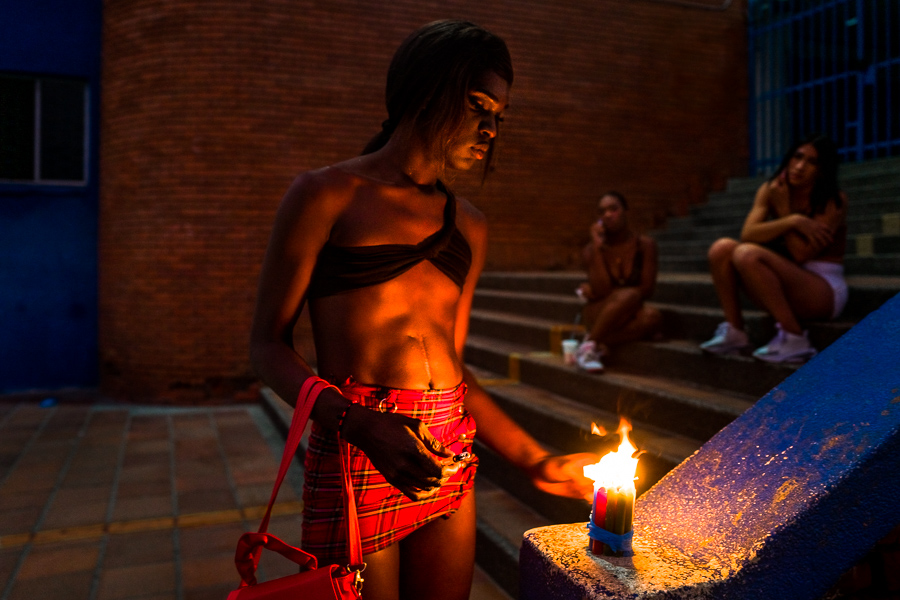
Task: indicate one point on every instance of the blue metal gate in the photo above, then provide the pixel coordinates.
(829, 66)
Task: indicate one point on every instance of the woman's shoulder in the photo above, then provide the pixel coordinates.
(326, 186)
(646, 242)
(471, 220)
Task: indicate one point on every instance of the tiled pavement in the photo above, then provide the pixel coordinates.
(129, 502)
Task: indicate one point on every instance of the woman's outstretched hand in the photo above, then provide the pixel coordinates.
(402, 449)
(564, 475)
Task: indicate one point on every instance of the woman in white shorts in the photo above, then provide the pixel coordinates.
(789, 259)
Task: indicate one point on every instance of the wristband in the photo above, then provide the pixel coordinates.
(340, 423)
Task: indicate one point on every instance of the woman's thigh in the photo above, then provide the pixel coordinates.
(436, 561)
(808, 294)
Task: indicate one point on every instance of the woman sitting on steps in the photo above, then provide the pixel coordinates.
(789, 259)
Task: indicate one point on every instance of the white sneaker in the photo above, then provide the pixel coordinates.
(727, 340)
(587, 358)
(786, 347)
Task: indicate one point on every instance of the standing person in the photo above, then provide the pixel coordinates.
(388, 259)
(621, 266)
(789, 259)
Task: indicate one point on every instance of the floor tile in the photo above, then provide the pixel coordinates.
(68, 586)
(139, 548)
(57, 559)
(119, 583)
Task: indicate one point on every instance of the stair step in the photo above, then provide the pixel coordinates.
(680, 320)
(485, 588)
(683, 360)
(881, 264)
(565, 425)
(859, 192)
(851, 174)
(548, 306)
(502, 520)
(695, 411)
(558, 282)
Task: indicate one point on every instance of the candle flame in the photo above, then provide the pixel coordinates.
(616, 469)
(598, 429)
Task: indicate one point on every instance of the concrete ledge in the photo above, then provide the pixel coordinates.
(779, 504)
(574, 573)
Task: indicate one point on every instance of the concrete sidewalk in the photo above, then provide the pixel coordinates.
(102, 502)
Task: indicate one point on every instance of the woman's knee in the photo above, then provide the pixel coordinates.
(626, 296)
(721, 250)
(653, 319)
(747, 256)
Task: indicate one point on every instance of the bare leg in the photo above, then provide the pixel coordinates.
(645, 323)
(382, 574)
(437, 560)
(612, 313)
(725, 279)
(434, 562)
(788, 291)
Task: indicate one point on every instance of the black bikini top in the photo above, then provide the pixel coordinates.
(341, 269)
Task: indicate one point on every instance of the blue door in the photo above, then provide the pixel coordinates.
(49, 129)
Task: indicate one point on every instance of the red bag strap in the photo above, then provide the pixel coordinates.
(354, 546)
(309, 392)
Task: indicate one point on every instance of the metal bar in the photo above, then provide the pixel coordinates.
(86, 160)
(860, 82)
(37, 129)
(888, 81)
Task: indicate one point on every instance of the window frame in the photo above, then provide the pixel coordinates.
(37, 179)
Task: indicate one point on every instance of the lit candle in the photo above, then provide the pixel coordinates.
(598, 516)
(612, 510)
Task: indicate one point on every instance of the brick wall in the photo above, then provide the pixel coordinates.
(211, 108)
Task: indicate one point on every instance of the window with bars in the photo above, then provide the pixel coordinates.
(43, 130)
(829, 66)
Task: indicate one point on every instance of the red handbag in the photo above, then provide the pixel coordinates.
(331, 582)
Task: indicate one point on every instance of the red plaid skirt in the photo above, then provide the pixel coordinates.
(385, 514)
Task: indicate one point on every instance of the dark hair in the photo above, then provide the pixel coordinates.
(618, 197)
(826, 186)
(430, 76)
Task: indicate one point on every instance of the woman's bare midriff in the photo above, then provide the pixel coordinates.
(397, 334)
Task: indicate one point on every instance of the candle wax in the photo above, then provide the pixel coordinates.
(598, 517)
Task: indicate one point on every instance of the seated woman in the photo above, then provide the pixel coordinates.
(789, 259)
(621, 266)
(388, 258)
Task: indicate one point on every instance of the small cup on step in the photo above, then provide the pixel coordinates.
(569, 347)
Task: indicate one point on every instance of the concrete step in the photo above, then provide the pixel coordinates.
(883, 265)
(683, 360)
(851, 174)
(544, 282)
(557, 308)
(680, 321)
(887, 264)
(694, 410)
(698, 324)
(862, 245)
(873, 244)
(867, 293)
(708, 227)
(565, 425)
(484, 587)
(502, 520)
(864, 202)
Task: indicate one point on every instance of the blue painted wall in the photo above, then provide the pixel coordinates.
(48, 234)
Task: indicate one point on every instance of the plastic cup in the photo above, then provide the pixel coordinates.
(568, 348)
